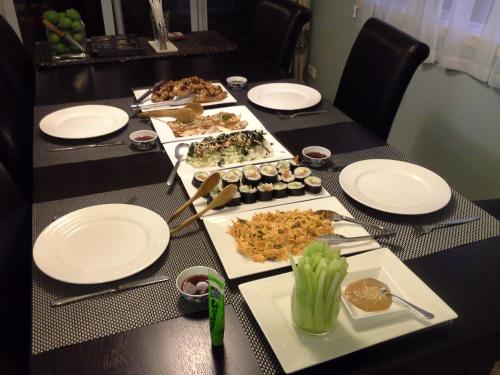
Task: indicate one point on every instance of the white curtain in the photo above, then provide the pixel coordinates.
(463, 35)
(302, 47)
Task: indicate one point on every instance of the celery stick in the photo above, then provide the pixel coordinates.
(319, 303)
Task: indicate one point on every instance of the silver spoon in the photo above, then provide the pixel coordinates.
(423, 313)
(181, 151)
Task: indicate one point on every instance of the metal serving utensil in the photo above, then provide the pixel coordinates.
(420, 311)
(333, 216)
(293, 115)
(424, 229)
(141, 98)
(175, 102)
(338, 238)
(88, 146)
(181, 151)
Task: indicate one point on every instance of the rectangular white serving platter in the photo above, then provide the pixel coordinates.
(167, 135)
(237, 265)
(269, 299)
(187, 171)
(229, 99)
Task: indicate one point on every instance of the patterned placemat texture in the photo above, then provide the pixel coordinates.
(97, 317)
(42, 157)
(195, 43)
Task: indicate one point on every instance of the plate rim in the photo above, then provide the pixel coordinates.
(122, 123)
(346, 189)
(41, 237)
(252, 92)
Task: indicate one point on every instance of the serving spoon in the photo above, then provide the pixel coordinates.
(205, 188)
(186, 114)
(220, 199)
(181, 151)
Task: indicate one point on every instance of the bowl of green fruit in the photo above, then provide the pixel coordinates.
(65, 33)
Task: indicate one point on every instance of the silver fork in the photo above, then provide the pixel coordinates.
(425, 229)
(293, 115)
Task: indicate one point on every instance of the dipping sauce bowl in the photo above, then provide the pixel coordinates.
(190, 283)
(315, 156)
(144, 139)
(236, 82)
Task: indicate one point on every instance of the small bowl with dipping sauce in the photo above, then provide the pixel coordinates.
(144, 139)
(236, 82)
(192, 283)
(316, 156)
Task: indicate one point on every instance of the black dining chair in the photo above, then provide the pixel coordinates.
(17, 90)
(380, 66)
(276, 28)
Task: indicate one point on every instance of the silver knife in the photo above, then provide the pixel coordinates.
(68, 37)
(88, 146)
(119, 288)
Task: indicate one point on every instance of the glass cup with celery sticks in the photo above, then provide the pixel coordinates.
(316, 294)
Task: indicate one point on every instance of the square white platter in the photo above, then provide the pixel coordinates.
(229, 99)
(269, 299)
(237, 265)
(166, 134)
(187, 171)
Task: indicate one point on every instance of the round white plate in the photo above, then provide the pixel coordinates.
(101, 243)
(84, 121)
(395, 187)
(284, 96)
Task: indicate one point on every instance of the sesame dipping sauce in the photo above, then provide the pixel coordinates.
(366, 295)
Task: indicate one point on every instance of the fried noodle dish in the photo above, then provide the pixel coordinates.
(203, 91)
(271, 236)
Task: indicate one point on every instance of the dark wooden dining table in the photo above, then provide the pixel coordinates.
(466, 277)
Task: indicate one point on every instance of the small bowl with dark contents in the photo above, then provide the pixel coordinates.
(316, 156)
(144, 139)
(192, 283)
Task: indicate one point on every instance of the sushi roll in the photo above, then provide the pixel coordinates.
(301, 173)
(287, 176)
(235, 201)
(269, 173)
(283, 165)
(313, 184)
(248, 194)
(251, 175)
(295, 163)
(231, 177)
(199, 178)
(295, 188)
(279, 190)
(265, 192)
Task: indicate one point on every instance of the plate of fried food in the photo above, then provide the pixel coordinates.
(205, 92)
(257, 241)
(211, 122)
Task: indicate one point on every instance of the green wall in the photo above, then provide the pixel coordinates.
(447, 121)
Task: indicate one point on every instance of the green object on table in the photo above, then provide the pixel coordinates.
(78, 37)
(65, 23)
(60, 48)
(52, 16)
(76, 26)
(73, 14)
(316, 294)
(54, 38)
(216, 309)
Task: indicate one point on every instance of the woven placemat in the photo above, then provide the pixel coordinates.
(195, 43)
(86, 320)
(42, 143)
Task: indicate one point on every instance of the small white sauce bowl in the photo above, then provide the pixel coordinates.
(143, 144)
(186, 274)
(312, 161)
(236, 82)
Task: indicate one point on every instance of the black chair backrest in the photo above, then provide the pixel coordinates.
(380, 66)
(276, 27)
(17, 92)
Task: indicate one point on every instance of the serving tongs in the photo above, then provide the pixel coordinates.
(334, 239)
(333, 216)
(175, 102)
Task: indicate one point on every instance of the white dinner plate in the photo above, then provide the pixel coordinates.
(101, 243)
(284, 96)
(237, 265)
(269, 299)
(84, 121)
(395, 186)
(229, 99)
